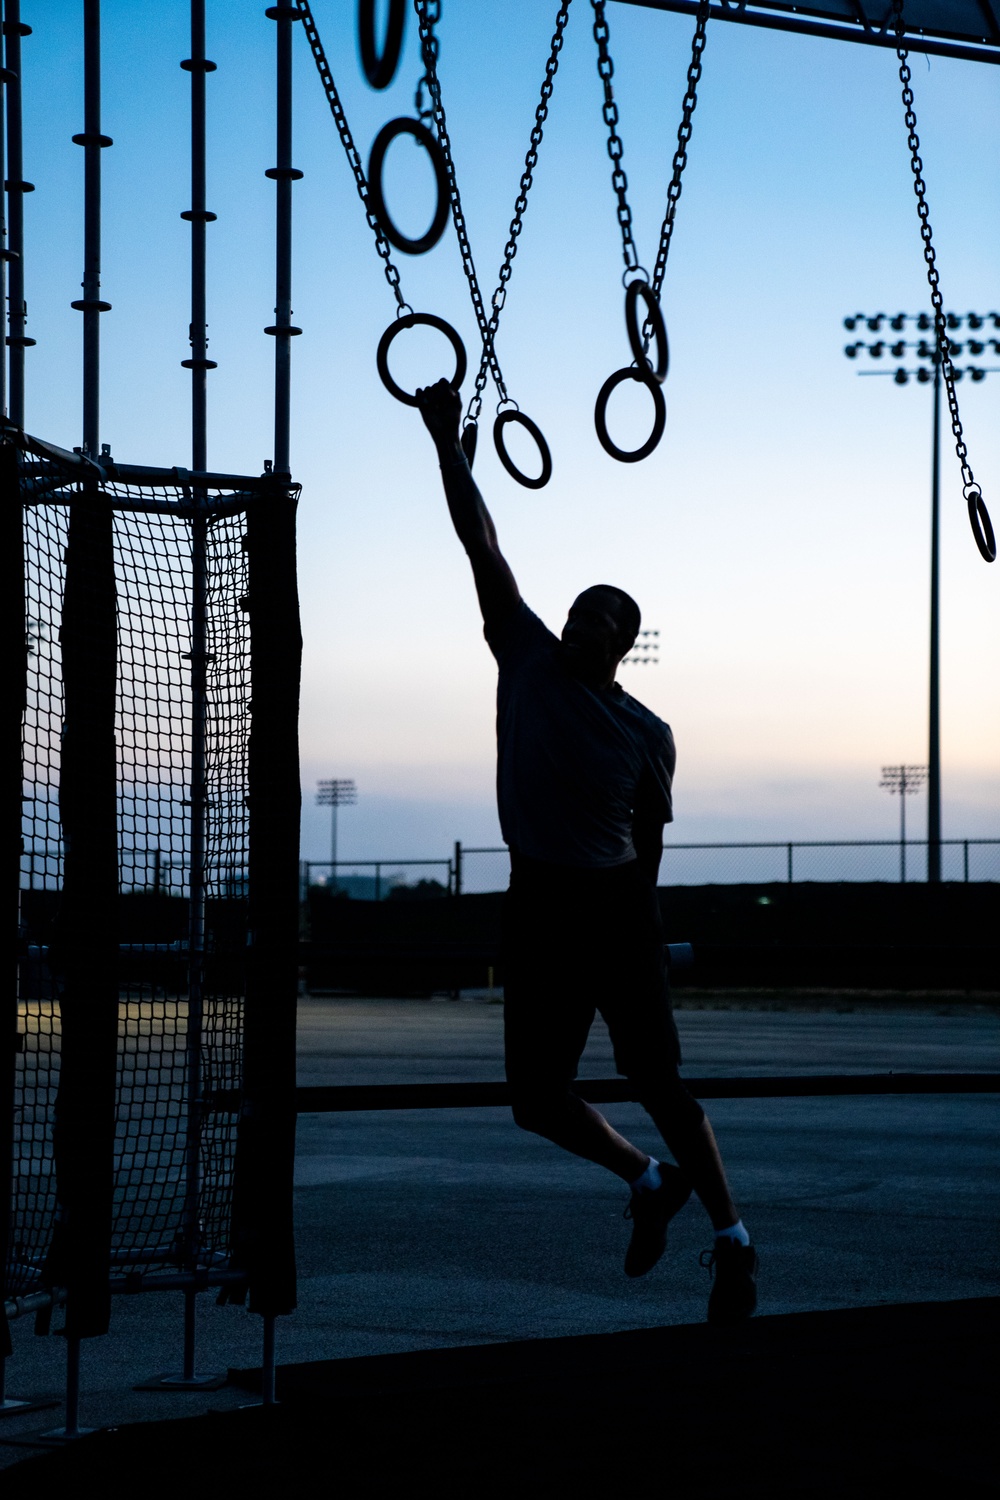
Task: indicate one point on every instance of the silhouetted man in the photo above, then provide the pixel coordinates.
(584, 777)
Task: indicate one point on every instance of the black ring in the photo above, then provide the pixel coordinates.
(388, 133)
(654, 315)
(380, 71)
(982, 527)
(503, 419)
(646, 378)
(409, 320)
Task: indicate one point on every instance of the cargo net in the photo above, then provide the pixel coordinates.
(173, 1191)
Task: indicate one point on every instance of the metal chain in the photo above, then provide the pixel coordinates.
(680, 155)
(423, 91)
(520, 205)
(428, 13)
(940, 323)
(353, 156)
(605, 69)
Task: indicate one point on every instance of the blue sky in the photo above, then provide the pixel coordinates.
(779, 536)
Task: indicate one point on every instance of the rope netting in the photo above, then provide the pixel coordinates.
(181, 753)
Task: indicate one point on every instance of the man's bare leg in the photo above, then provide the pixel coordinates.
(697, 1154)
(586, 1133)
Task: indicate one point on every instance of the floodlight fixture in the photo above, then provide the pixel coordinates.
(927, 373)
(333, 793)
(643, 652)
(902, 782)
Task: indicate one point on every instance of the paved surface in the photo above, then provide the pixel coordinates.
(877, 1401)
(426, 1229)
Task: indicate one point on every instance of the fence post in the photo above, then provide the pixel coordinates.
(965, 859)
(790, 847)
(458, 868)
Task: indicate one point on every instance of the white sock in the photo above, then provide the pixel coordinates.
(734, 1232)
(650, 1179)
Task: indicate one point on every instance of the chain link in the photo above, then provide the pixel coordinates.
(428, 13)
(425, 112)
(520, 204)
(351, 150)
(919, 187)
(680, 155)
(605, 69)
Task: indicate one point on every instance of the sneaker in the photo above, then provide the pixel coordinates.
(733, 1297)
(651, 1212)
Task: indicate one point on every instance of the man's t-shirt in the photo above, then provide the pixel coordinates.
(573, 762)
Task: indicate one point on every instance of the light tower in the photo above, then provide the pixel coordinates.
(902, 782)
(983, 338)
(333, 794)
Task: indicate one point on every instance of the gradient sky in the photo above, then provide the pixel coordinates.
(779, 536)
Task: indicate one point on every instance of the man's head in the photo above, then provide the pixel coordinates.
(600, 629)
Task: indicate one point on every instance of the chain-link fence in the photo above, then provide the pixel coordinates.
(826, 860)
(476, 871)
(380, 879)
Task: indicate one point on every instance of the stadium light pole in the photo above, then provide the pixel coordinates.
(925, 349)
(902, 782)
(333, 794)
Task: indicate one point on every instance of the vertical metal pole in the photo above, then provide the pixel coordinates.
(190, 1296)
(902, 825)
(458, 868)
(72, 1428)
(199, 364)
(268, 1364)
(789, 864)
(93, 143)
(333, 837)
(284, 174)
(934, 735)
(965, 860)
(14, 29)
(4, 258)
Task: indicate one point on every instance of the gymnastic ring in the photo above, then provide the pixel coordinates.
(405, 126)
(654, 315)
(380, 70)
(410, 320)
(645, 377)
(503, 419)
(982, 526)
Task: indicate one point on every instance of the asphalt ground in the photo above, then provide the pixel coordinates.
(429, 1229)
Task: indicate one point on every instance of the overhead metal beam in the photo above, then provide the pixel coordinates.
(966, 29)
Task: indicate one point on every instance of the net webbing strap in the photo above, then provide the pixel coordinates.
(263, 1240)
(12, 588)
(84, 1126)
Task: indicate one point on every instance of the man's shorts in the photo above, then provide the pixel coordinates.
(577, 942)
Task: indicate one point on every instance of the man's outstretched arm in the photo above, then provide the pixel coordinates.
(441, 408)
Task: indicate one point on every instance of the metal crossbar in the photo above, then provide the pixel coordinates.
(346, 1098)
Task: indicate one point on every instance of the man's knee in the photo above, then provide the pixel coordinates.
(544, 1111)
(670, 1103)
